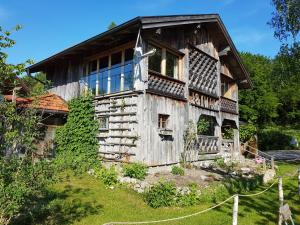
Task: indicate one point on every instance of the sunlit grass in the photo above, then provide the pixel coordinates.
(97, 204)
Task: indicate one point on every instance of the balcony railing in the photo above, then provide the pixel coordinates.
(109, 80)
(228, 105)
(227, 145)
(206, 144)
(164, 85)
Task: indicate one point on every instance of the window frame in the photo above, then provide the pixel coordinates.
(163, 121)
(122, 49)
(106, 128)
(163, 65)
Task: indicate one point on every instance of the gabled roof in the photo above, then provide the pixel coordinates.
(48, 102)
(148, 22)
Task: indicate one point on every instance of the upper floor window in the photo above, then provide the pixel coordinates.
(110, 73)
(155, 60)
(164, 62)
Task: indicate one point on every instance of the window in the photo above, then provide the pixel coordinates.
(163, 121)
(92, 76)
(206, 125)
(164, 62)
(103, 74)
(128, 68)
(115, 72)
(155, 60)
(171, 65)
(103, 123)
(93, 66)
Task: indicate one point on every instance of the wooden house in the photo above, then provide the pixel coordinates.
(151, 77)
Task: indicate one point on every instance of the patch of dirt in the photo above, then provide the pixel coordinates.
(198, 176)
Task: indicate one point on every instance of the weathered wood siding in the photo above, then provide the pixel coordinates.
(159, 149)
(65, 79)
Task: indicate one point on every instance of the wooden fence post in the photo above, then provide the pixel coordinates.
(272, 163)
(299, 182)
(280, 192)
(235, 210)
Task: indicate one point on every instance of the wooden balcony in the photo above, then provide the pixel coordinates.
(228, 105)
(165, 86)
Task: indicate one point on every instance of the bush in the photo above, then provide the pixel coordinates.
(135, 170)
(161, 194)
(243, 184)
(176, 170)
(274, 139)
(190, 198)
(109, 176)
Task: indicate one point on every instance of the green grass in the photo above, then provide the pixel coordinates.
(87, 201)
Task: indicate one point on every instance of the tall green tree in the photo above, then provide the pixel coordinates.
(286, 19)
(258, 105)
(286, 82)
(22, 180)
(9, 72)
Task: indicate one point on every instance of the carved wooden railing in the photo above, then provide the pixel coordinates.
(203, 101)
(206, 144)
(202, 72)
(164, 85)
(227, 145)
(228, 105)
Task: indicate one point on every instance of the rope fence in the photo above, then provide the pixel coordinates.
(235, 207)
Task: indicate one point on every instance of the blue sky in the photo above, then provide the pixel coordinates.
(53, 25)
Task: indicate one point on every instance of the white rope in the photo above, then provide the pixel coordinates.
(193, 214)
(259, 193)
(172, 219)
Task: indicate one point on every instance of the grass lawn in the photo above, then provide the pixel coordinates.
(87, 201)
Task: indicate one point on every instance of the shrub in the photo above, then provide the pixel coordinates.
(190, 198)
(135, 170)
(247, 132)
(176, 170)
(274, 139)
(243, 184)
(161, 194)
(109, 176)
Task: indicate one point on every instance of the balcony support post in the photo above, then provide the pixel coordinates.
(122, 82)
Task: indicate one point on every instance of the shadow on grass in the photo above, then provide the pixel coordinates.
(60, 208)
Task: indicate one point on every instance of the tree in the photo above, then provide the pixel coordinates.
(9, 72)
(286, 82)
(286, 19)
(22, 179)
(259, 104)
(111, 25)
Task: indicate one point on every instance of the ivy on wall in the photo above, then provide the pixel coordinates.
(77, 145)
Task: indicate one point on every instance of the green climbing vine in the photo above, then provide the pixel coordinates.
(77, 145)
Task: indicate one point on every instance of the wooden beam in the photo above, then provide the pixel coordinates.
(225, 51)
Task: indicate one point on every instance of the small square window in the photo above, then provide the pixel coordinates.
(163, 120)
(103, 123)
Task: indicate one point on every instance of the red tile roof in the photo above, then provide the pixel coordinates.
(51, 102)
